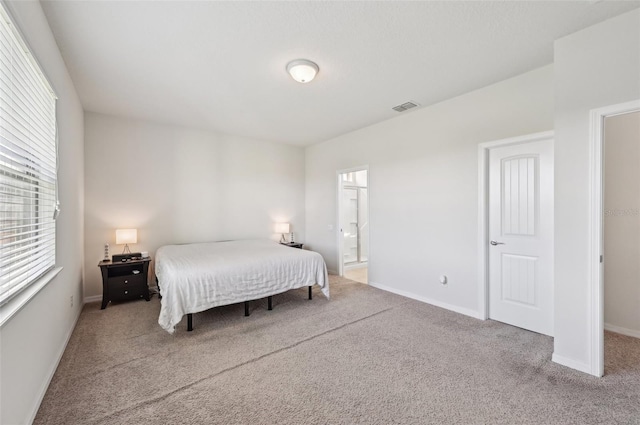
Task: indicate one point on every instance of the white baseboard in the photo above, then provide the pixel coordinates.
(92, 299)
(45, 386)
(573, 364)
(623, 331)
(455, 308)
(332, 272)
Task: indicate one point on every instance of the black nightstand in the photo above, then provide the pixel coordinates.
(126, 280)
(293, 244)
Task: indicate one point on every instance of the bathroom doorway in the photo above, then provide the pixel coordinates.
(354, 224)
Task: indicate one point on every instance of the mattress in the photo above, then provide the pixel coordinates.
(197, 277)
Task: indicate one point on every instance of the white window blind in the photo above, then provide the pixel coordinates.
(27, 165)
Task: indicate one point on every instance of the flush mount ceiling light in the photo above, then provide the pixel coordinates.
(302, 70)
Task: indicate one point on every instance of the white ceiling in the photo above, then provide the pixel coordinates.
(220, 66)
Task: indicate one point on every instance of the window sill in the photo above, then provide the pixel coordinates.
(15, 304)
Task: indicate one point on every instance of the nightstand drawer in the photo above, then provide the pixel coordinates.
(126, 293)
(126, 282)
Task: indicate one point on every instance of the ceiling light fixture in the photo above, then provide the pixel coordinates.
(302, 70)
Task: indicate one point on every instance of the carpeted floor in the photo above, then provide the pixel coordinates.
(365, 357)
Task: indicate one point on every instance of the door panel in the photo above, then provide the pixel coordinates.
(519, 201)
(363, 223)
(519, 279)
(350, 223)
(521, 225)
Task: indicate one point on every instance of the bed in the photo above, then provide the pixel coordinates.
(196, 277)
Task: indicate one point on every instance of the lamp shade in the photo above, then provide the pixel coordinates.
(302, 70)
(126, 236)
(282, 227)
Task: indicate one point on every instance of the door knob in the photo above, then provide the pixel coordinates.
(494, 243)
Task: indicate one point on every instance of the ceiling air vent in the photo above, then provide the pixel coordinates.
(405, 106)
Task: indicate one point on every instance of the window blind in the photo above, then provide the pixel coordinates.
(27, 165)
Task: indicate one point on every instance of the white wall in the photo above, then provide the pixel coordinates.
(33, 340)
(596, 67)
(423, 186)
(622, 223)
(179, 185)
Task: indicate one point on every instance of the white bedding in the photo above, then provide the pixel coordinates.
(197, 277)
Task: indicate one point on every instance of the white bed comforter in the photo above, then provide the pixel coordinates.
(197, 277)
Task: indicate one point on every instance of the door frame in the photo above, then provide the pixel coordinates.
(595, 263)
(339, 209)
(483, 211)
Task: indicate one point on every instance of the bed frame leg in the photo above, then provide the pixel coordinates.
(269, 303)
(246, 308)
(310, 292)
(158, 285)
(189, 322)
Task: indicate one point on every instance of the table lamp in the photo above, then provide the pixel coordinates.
(126, 236)
(282, 228)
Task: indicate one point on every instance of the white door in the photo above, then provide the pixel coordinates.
(350, 224)
(521, 235)
(363, 223)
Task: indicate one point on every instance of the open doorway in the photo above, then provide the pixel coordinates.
(353, 213)
(621, 232)
(604, 223)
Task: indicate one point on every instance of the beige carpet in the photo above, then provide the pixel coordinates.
(365, 357)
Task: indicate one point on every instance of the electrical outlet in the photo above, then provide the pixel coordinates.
(71, 300)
